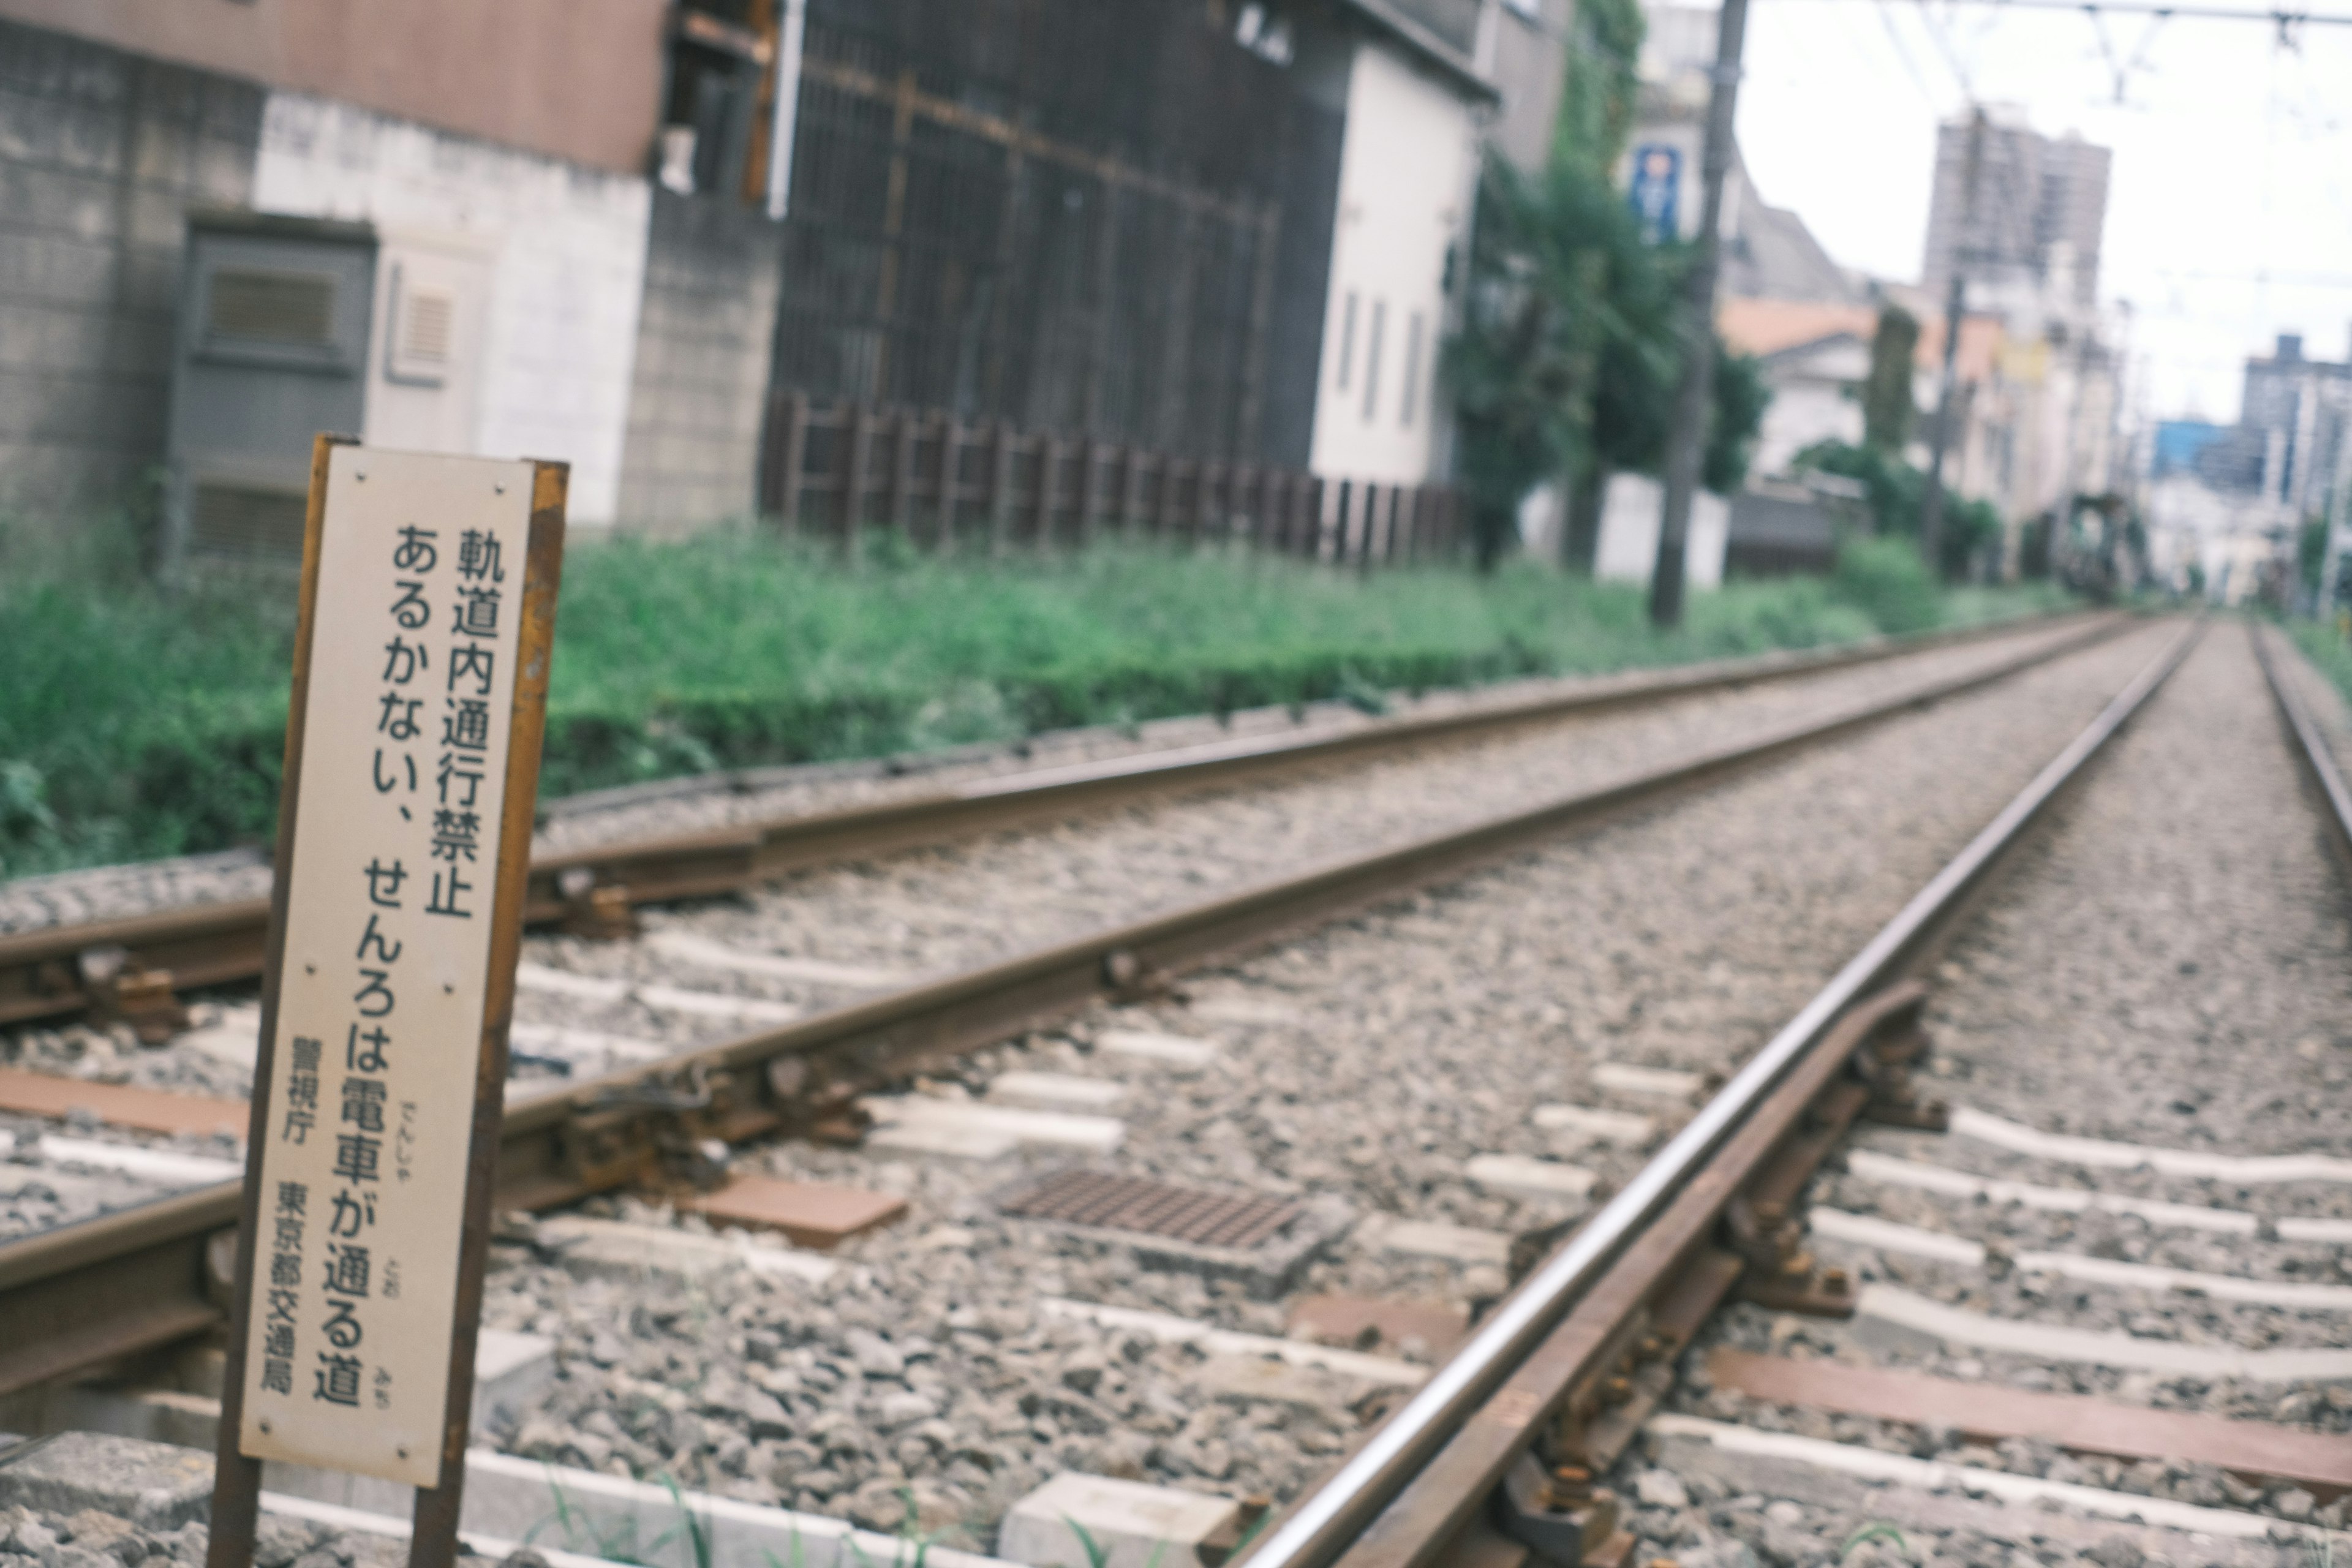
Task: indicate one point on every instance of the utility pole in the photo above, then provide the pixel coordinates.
(1695, 391)
(2339, 513)
(1931, 505)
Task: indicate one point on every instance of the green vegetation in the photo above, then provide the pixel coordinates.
(1565, 364)
(134, 724)
(1894, 492)
(1570, 349)
(2326, 648)
(1886, 411)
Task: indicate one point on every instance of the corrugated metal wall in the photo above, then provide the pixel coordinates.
(1084, 217)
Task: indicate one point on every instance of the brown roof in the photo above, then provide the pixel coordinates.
(1771, 326)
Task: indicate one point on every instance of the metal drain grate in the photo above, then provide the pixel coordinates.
(1152, 1208)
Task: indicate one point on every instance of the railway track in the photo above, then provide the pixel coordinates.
(137, 966)
(156, 1265)
(1574, 1367)
(1502, 1454)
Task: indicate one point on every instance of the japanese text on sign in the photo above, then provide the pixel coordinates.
(380, 1012)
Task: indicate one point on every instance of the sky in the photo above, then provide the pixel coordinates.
(2229, 203)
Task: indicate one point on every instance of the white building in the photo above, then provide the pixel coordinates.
(1408, 178)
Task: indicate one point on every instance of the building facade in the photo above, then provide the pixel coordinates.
(1141, 225)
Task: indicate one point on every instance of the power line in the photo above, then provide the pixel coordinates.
(2280, 17)
(2287, 279)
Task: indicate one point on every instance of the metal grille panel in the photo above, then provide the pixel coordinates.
(275, 307)
(240, 520)
(1149, 1207)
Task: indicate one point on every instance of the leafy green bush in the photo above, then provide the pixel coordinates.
(138, 723)
(1885, 580)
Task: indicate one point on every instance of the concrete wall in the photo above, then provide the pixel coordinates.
(577, 79)
(1407, 177)
(566, 249)
(1631, 514)
(704, 337)
(100, 154)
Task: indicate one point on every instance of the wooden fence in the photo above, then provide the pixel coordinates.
(837, 472)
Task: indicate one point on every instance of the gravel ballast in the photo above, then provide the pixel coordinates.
(1367, 1061)
(2166, 967)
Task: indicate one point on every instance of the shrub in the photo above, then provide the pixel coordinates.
(1885, 580)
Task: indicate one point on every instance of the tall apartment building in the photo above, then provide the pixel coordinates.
(2022, 212)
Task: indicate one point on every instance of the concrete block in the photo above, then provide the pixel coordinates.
(1434, 1238)
(1417, 1329)
(1525, 1176)
(700, 949)
(1047, 1129)
(939, 1141)
(614, 1249)
(149, 1414)
(1132, 1525)
(158, 1165)
(1665, 1083)
(1177, 1051)
(1246, 1010)
(510, 1371)
(1244, 1380)
(1619, 1127)
(1056, 1091)
(1166, 1327)
(154, 1485)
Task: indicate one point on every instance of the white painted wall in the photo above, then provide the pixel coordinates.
(1408, 168)
(1631, 510)
(565, 250)
(416, 404)
(1811, 401)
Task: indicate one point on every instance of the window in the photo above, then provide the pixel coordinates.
(1372, 360)
(1412, 369)
(1347, 338)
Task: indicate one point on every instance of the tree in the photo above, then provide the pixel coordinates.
(1599, 92)
(1564, 365)
(1894, 492)
(1887, 406)
(1740, 399)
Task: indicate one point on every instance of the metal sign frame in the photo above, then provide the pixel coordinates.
(238, 1475)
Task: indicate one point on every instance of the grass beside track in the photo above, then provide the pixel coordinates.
(2326, 646)
(134, 724)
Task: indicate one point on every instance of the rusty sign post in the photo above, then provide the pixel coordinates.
(404, 843)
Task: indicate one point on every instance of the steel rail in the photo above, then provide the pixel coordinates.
(2312, 752)
(608, 1131)
(1323, 1526)
(42, 973)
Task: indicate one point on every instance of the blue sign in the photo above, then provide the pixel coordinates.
(1655, 194)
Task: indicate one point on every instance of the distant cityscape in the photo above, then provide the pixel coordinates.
(1224, 233)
